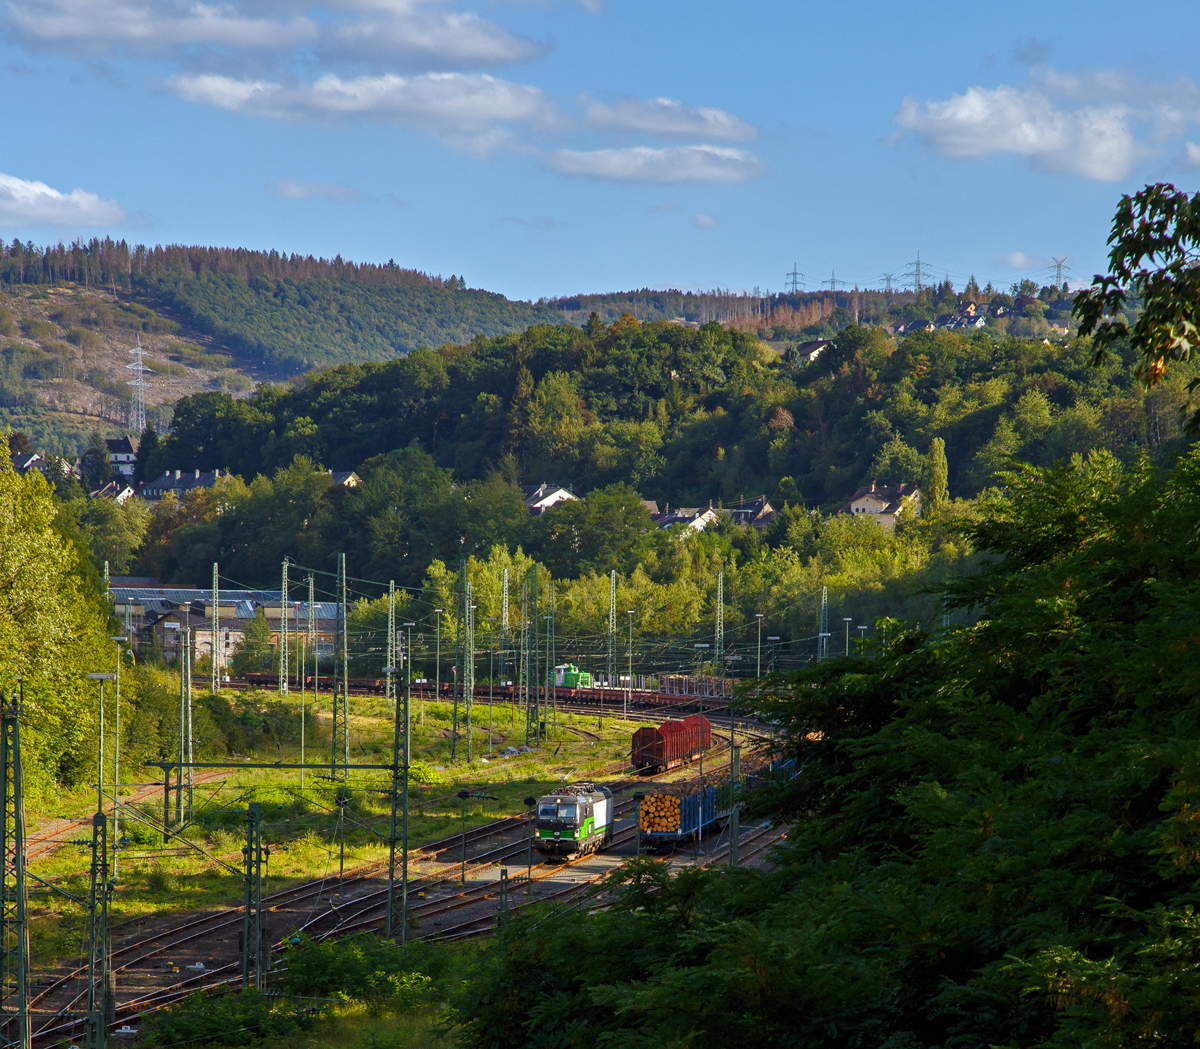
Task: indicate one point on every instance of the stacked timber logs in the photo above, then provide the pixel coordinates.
(658, 814)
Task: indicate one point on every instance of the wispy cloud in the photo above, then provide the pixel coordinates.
(655, 164)
(545, 223)
(664, 205)
(27, 203)
(1018, 260)
(412, 63)
(704, 221)
(466, 109)
(149, 27)
(298, 189)
(666, 117)
(1094, 124)
(417, 39)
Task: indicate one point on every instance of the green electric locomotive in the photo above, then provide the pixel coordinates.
(575, 819)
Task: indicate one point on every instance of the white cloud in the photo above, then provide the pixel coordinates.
(26, 203)
(666, 117)
(298, 189)
(465, 109)
(1095, 142)
(1094, 123)
(149, 26)
(411, 34)
(1191, 155)
(704, 221)
(1018, 260)
(650, 164)
(426, 40)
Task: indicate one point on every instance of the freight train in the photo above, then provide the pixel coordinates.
(671, 744)
(574, 820)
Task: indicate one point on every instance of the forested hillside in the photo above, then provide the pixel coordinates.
(686, 415)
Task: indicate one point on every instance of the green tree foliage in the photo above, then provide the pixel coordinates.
(95, 464)
(934, 494)
(52, 630)
(994, 837)
(254, 653)
(1152, 267)
(684, 416)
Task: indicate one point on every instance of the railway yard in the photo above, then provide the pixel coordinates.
(176, 914)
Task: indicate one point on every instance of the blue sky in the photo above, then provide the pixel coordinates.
(560, 147)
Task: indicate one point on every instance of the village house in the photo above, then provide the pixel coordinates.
(540, 497)
(885, 503)
(122, 454)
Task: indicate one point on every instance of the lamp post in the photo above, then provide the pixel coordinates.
(629, 692)
(862, 633)
(118, 641)
(847, 620)
(465, 796)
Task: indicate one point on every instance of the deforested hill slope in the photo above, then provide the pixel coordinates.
(280, 314)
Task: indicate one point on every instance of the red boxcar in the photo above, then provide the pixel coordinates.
(672, 743)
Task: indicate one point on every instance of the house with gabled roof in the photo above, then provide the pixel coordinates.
(885, 503)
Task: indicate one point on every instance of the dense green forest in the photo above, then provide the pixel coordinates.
(686, 415)
(994, 833)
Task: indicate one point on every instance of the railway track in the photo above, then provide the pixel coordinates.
(226, 976)
(367, 912)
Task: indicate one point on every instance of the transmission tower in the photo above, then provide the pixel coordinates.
(283, 631)
(14, 930)
(460, 647)
(795, 280)
(101, 997)
(833, 282)
(311, 630)
(139, 386)
(255, 939)
(340, 720)
(503, 622)
(1060, 261)
(916, 274)
(391, 642)
(887, 282)
(719, 638)
(215, 629)
(823, 625)
(523, 656)
(468, 669)
(611, 668)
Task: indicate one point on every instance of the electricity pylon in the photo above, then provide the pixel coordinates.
(823, 625)
(138, 387)
(795, 279)
(215, 629)
(254, 949)
(283, 631)
(14, 930)
(719, 638)
(611, 668)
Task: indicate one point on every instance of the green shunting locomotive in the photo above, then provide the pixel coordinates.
(575, 819)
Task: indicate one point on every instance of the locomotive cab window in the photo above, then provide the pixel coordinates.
(566, 810)
(547, 811)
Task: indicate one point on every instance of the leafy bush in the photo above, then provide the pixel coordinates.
(363, 969)
(225, 1018)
